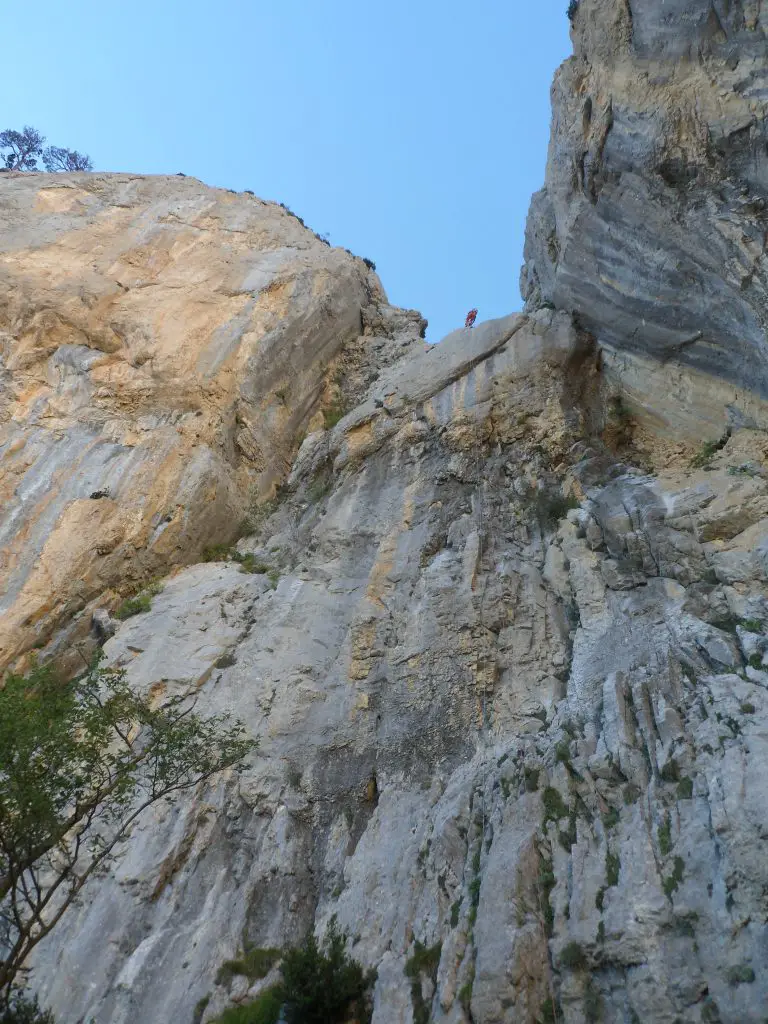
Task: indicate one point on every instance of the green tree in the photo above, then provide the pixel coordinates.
(79, 763)
(320, 987)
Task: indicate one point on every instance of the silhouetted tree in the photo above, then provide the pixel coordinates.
(573, 8)
(25, 147)
(56, 158)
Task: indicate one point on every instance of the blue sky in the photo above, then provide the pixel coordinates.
(413, 132)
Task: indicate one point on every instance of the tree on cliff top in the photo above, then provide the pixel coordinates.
(79, 763)
(24, 148)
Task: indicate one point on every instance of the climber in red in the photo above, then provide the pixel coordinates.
(471, 317)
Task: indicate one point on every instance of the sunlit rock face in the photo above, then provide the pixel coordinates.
(505, 642)
(163, 346)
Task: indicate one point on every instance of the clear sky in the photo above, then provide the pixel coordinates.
(413, 132)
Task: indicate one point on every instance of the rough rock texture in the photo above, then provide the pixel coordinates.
(162, 347)
(652, 225)
(534, 735)
(506, 645)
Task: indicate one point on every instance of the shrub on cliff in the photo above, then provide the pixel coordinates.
(20, 1010)
(79, 763)
(573, 7)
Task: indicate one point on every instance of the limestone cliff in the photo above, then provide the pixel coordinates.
(505, 640)
(163, 346)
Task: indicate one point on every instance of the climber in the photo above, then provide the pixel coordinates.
(471, 317)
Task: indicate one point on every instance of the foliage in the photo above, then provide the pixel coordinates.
(20, 1010)
(265, 1009)
(254, 964)
(56, 158)
(611, 819)
(742, 974)
(425, 960)
(554, 808)
(671, 771)
(612, 868)
(25, 148)
(455, 909)
(333, 414)
(369, 263)
(573, 957)
(703, 456)
(134, 606)
(674, 880)
(573, 8)
(685, 788)
(551, 508)
(320, 987)
(665, 835)
(531, 776)
(79, 763)
(632, 794)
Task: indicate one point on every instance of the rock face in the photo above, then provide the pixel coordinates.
(652, 225)
(162, 347)
(506, 646)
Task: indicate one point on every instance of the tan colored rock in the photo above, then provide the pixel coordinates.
(163, 346)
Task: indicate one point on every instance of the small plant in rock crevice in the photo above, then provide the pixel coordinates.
(424, 961)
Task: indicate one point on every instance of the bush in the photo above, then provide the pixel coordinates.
(612, 868)
(21, 1010)
(674, 880)
(134, 606)
(323, 987)
(740, 975)
(665, 835)
(254, 965)
(573, 8)
(685, 788)
(265, 1009)
(333, 414)
(573, 957)
(425, 960)
(554, 808)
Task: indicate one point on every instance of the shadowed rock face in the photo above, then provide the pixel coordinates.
(652, 224)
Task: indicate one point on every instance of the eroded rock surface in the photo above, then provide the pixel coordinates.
(502, 633)
(163, 346)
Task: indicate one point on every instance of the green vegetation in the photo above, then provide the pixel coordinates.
(425, 960)
(674, 880)
(573, 957)
(752, 625)
(740, 975)
(455, 909)
(755, 661)
(465, 992)
(550, 1013)
(601, 932)
(685, 788)
(593, 1002)
(600, 898)
(545, 884)
(573, 8)
(531, 776)
(567, 838)
(611, 819)
(323, 987)
(671, 771)
(563, 752)
(612, 868)
(333, 414)
(21, 1010)
(747, 708)
(227, 660)
(551, 508)
(703, 457)
(265, 1009)
(254, 964)
(79, 763)
(665, 835)
(554, 807)
(217, 553)
(134, 606)
(632, 794)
